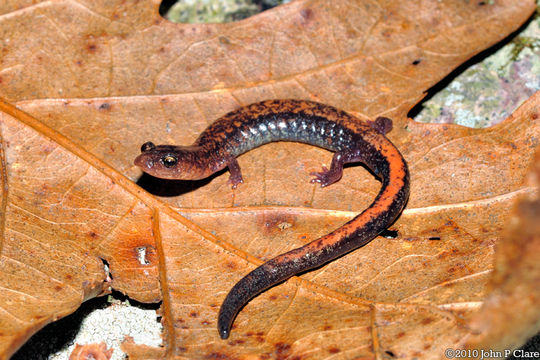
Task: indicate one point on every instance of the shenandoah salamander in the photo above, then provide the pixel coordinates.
(352, 140)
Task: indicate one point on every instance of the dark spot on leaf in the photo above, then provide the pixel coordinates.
(334, 350)
(58, 287)
(224, 40)
(417, 61)
(434, 238)
(236, 342)
(282, 349)
(390, 353)
(327, 327)
(216, 355)
(534, 116)
(92, 48)
(181, 349)
(193, 314)
(481, 3)
(307, 14)
(273, 297)
(273, 222)
(410, 238)
(105, 106)
(93, 235)
(426, 321)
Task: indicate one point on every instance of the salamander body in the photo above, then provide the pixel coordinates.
(239, 131)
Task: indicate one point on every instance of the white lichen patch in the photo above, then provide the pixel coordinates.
(111, 325)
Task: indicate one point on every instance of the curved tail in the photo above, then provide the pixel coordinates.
(354, 234)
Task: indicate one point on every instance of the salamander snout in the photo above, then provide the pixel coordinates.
(146, 162)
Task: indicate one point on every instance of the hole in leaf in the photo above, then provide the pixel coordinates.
(213, 11)
(141, 255)
(434, 238)
(55, 339)
(389, 234)
(107, 268)
(441, 84)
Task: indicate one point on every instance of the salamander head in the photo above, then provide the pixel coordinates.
(172, 162)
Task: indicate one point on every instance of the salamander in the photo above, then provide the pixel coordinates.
(352, 140)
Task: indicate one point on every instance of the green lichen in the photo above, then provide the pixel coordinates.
(486, 92)
(520, 44)
(525, 44)
(210, 11)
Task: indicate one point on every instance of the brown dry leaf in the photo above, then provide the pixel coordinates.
(91, 352)
(100, 78)
(510, 314)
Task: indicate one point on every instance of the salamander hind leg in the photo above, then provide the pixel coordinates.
(382, 124)
(236, 175)
(329, 176)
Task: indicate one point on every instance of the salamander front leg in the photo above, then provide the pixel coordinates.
(327, 177)
(236, 175)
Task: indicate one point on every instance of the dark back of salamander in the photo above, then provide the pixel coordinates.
(255, 125)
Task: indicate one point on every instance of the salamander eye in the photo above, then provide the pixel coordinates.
(169, 160)
(148, 146)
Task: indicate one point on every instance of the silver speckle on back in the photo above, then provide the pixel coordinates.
(311, 126)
